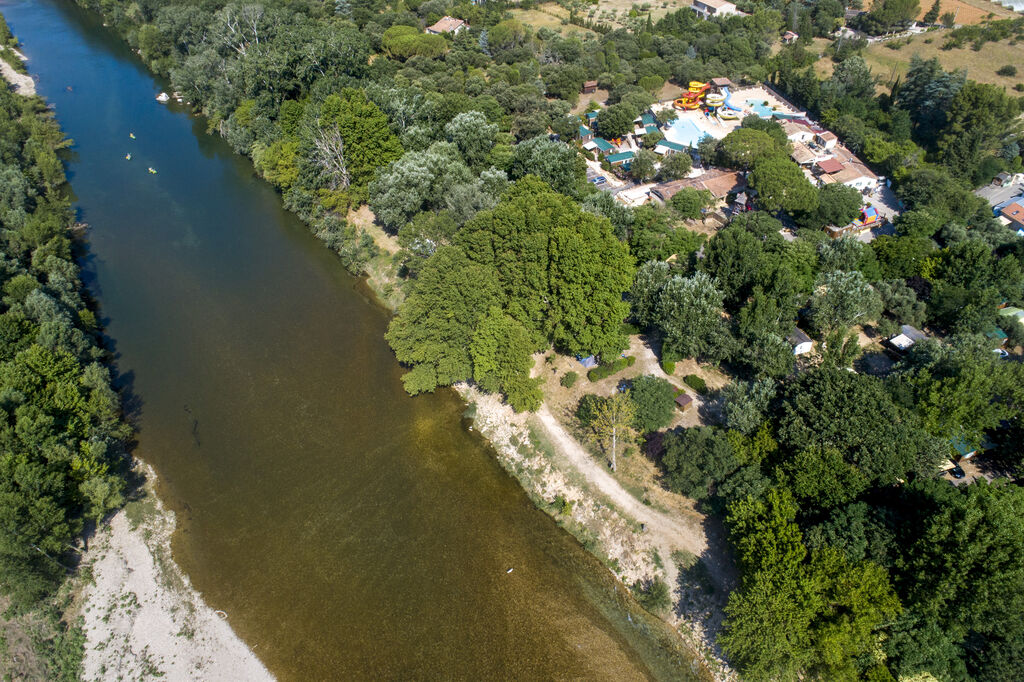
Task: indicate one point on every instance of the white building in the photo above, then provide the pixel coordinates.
(714, 8)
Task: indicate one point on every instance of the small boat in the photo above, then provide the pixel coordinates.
(128, 157)
(131, 135)
(163, 97)
(152, 170)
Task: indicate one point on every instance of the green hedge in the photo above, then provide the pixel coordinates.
(605, 371)
(568, 379)
(696, 383)
(668, 367)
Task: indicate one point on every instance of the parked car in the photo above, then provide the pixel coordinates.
(957, 472)
(1001, 352)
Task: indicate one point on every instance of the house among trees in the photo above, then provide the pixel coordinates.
(907, 337)
(684, 402)
(668, 148)
(589, 87)
(1013, 214)
(624, 159)
(868, 218)
(853, 173)
(447, 24)
(585, 133)
(789, 37)
(603, 146)
(800, 341)
(721, 183)
(714, 8)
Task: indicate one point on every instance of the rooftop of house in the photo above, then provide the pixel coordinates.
(802, 153)
(719, 182)
(648, 120)
(603, 144)
(789, 35)
(1014, 212)
(721, 82)
(584, 131)
(717, 4)
(590, 84)
(668, 144)
(447, 25)
(854, 171)
(798, 336)
(621, 156)
(830, 166)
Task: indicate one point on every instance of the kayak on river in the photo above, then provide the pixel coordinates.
(131, 135)
(152, 170)
(128, 157)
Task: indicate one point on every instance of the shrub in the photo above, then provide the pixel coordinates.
(605, 371)
(653, 403)
(668, 367)
(696, 383)
(653, 595)
(568, 379)
(586, 408)
(1008, 70)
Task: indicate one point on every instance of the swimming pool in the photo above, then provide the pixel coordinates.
(760, 108)
(684, 131)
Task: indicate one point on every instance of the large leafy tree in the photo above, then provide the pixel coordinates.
(782, 186)
(368, 141)
(653, 403)
(562, 269)
(844, 298)
(434, 327)
(689, 316)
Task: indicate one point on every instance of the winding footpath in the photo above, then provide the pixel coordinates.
(667, 533)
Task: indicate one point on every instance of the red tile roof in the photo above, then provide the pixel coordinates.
(830, 166)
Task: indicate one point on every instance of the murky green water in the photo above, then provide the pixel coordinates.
(348, 530)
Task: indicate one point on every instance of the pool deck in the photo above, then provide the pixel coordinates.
(719, 128)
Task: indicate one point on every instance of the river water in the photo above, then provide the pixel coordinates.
(348, 530)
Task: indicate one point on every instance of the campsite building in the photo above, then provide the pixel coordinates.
(447, 24)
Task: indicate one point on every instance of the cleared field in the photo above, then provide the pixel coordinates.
(981, 65)
(549, 15)
(621, 8)
(967, 11)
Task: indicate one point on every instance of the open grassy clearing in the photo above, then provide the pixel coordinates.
(967, 11)
(981, 65)
(552, 16)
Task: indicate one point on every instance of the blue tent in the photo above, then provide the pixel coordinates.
(589, 362)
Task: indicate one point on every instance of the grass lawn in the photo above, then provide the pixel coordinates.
(550, 15)
(967, 11)
(981, 65)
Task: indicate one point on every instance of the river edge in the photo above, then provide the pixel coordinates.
(141, 616)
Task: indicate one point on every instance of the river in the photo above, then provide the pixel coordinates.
(348, 530)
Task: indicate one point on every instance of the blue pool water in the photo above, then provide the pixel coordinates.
(760, 108)
(684, 131)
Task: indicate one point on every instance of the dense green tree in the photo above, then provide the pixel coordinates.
(744, 147)
(434, 327)
(653, 403)
(874, 434)
(501, 351)
(690, 203)
(473, 135)
(689, 316)
(837, 205)
(675, 166)
(642, 169)
(616, 120)
(696, 459)
(782, 186)
(554, 163)
(562, 269)
(844, 298)
(417, 181)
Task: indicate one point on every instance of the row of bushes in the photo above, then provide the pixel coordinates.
(605, 371)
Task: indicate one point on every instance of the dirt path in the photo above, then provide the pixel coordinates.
(22, 84)
(666, 532)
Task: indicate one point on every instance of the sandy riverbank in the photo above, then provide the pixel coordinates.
(635, 542)
(22, 83)
(142, 617)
